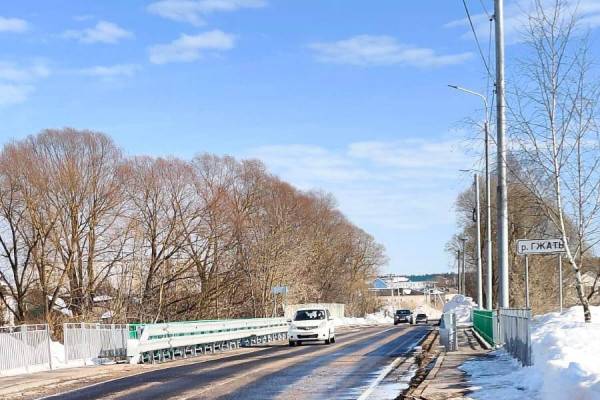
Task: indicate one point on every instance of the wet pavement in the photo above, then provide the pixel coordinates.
(353, 367)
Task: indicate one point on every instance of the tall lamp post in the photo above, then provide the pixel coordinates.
(488, 235)
(464, 264)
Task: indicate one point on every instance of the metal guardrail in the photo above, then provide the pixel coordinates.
(515, 333)
(160, 342)
(449, 332)
(485, 323)
(85, 341)
(24, 348)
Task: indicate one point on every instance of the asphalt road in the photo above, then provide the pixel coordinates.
(344, 370)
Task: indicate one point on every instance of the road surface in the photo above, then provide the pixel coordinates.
(348, 369)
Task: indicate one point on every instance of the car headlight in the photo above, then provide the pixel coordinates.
(292, 326)
(323, 324)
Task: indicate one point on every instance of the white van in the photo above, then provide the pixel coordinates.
(310, 325)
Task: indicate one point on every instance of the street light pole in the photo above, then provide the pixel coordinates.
(464, 264)
(488, 222)
(502, 242)
(488, 205)
(478, 251)
(458, 271)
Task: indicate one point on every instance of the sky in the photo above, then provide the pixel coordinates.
(345, 96)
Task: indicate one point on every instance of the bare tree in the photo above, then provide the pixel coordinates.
(555, 115)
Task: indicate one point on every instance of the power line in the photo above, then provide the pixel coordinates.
(485, 9)
(476, 38)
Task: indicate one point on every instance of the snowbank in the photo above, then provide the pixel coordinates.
(462, 307)
(369, 319)
(566, 356)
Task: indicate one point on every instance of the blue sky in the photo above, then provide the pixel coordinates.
(344, 96)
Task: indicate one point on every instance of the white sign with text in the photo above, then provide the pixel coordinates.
(540, 246)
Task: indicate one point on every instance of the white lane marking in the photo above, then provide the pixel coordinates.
(365, 395)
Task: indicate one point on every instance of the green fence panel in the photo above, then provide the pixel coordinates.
(484, 323)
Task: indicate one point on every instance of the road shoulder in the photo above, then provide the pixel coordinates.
(445, 380)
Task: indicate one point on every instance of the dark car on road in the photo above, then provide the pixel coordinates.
(421, 318)
(402, 316)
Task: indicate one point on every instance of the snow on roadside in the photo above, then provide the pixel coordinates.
(369, 319)
(462, 307)
(566, 356)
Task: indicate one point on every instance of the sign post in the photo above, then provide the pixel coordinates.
(526, 281)
(560, 282)
(525, 247)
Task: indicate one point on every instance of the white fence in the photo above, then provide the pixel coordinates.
(24, 348)
(515, 333)
(89, 341)
(336, 310)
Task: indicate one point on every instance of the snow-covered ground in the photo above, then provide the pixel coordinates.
(566, 356)
(377, 318)
(462, 307)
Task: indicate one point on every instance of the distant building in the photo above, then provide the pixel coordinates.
(398, 285)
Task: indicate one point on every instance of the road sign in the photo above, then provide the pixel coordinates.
(279, 290)
(540, 246)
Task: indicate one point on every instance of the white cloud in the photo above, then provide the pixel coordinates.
(16, 81)
(403, 192)
(516, 18)
(110, 71)
(14, 93)
(395, 177)
(16, 73)
(103, 32)
(370, 50)
(14, 25)
(414, 153)
(195, 11)
(189, 48)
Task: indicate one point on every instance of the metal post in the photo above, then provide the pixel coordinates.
(49, 344)
(527, 281)
(478, 251)
(488, 239)
(458, 270)
(464, 264)
(502, 192)
(560, 282)
(488, 236)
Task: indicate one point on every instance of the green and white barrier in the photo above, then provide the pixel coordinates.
(166, 341)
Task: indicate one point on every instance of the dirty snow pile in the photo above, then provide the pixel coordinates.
(462, 307)
(566, 357)
(380, 317)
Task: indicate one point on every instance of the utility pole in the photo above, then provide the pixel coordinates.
(488, 200)
(458, 271)
(488, 195)
(464, 264)
(478, 251)
(501, 142)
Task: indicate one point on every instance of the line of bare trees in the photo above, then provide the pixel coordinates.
(554, 126)
(87, 233)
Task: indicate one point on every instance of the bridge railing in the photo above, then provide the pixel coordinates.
(515, 333)
(485, 323)
(449, 331)
(159, 342)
